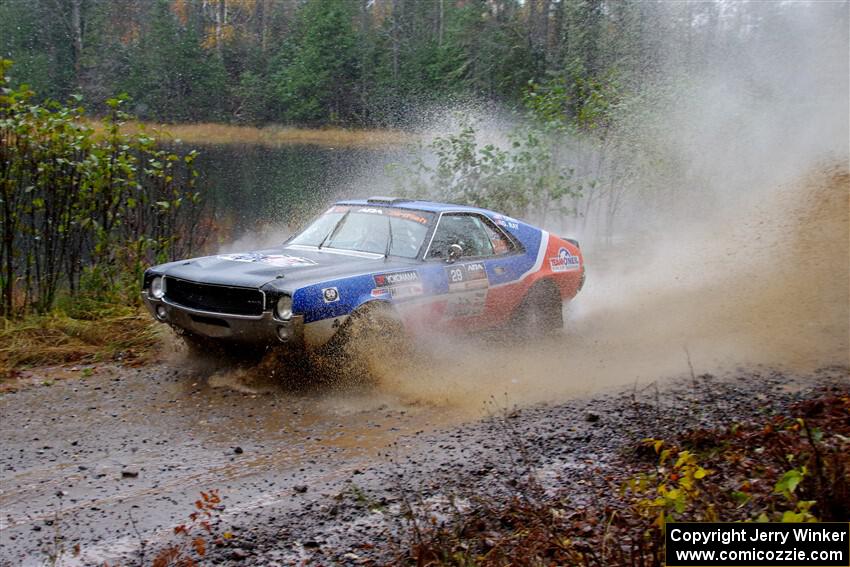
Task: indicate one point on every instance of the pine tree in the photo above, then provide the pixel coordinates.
(317, 69)
(172, 77)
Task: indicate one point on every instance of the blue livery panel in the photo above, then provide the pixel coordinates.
(339, 297)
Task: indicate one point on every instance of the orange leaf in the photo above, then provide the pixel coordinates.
(200, 546)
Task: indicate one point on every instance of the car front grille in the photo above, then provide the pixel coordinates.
(214, 298)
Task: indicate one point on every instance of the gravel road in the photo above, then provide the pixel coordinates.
(103, 463)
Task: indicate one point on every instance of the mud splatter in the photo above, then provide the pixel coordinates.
(767, 285)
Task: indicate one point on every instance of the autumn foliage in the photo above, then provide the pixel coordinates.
(785, 468)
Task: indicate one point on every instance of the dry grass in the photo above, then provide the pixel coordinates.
(129, 336)
(274, 136)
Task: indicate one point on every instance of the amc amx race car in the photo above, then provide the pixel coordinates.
(425, 266)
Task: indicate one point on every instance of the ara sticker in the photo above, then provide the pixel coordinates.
(464, 277)
(564, 262)
(279, 260)
(330, 294)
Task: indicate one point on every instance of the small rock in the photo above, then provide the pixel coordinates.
(239, 554)
(129, 473)
(311, 544)
(300, 488)
(238, 450)
(591, 417)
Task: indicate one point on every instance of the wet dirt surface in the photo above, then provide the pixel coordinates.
(143, 443)
(568, 447)
(308, 475)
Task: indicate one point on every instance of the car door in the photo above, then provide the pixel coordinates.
(465, 283)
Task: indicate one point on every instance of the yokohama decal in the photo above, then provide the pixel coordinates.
(396, 278)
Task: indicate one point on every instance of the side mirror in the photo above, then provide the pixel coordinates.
(454, 254)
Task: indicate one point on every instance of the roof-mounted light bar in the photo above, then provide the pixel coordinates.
(387, 200)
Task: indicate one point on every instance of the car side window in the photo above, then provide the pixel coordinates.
(501, 243)
(469, 231)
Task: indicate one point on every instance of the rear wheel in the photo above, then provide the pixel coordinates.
(541, 313)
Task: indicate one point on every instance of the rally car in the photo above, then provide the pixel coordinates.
(429, 266)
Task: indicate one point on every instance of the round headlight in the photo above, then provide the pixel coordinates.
(158, 287)
(283, 308)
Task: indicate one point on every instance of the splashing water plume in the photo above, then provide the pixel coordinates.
(767, 286)
(771, 290)
(735, 252)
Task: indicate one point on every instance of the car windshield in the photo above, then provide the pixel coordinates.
(368, 229)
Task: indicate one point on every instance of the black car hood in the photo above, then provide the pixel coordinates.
(287, 267)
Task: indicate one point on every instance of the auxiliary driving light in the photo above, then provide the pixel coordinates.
(160, 312)
(283, 333)
(158, 287)
(283, 308)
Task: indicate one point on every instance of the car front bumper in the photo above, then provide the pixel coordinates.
(263, 329)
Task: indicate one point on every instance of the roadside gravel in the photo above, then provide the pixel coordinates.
(567, 446)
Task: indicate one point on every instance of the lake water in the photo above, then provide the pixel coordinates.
(256, 189)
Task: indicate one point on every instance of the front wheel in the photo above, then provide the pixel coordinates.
(372, 342)
(541, 313)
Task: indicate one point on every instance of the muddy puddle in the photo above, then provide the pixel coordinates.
(139, 445)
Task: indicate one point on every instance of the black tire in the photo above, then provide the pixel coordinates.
(376, 327)
(541, 313)
(371, 341)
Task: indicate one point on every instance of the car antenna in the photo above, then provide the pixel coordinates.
(389, 238)
(333, 230)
